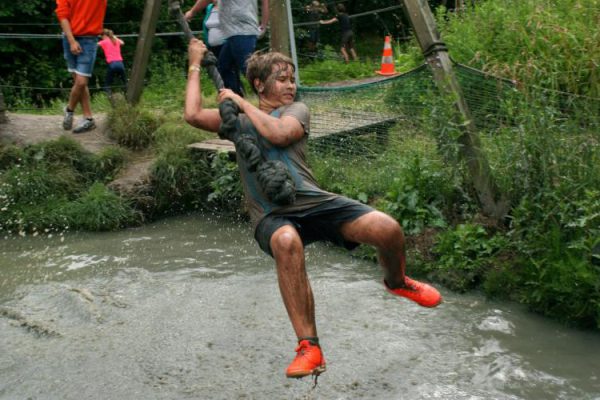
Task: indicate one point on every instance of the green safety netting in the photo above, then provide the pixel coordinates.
(374, 112)
(366, 125)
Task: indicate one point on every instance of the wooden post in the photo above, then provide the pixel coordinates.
(142, 50)
(278, 20)
(282, 31)
(436, 55)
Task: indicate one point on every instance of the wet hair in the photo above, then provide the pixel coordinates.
(110, 34)
(260, 66)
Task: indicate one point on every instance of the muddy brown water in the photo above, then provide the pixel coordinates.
(189, 308)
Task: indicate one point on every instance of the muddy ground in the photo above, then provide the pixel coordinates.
(26, 129)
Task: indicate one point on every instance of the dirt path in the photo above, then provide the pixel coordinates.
(26, 129)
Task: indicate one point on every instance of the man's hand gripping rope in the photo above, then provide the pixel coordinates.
(273, 176)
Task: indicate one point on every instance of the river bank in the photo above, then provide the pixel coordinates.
(27, 129)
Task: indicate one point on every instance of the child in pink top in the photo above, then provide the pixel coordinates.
(111, 45)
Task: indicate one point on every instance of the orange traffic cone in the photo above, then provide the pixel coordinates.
(387, 60)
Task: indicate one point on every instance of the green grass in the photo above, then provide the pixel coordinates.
(57, 185)
(554, 44)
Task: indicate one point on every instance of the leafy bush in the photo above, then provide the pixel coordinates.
(100, 209)
(10, 156)
(418, 197)
(185, 179)
(466, 253)
(36, 184)
(181, 179)
(109, 162)
(65, 152)
(567, 289)
(226, 188)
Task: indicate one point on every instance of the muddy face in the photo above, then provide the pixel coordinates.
(280, 87)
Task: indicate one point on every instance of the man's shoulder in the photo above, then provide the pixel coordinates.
(297, 110)
(296, 106)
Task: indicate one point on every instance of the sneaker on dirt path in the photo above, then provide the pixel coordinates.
(421, 293)
(308, 361)
(85, 125)
(67, 120)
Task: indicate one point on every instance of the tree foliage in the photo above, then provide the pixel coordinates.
(38, 62)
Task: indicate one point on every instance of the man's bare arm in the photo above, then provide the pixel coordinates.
(196, 8)
(194, 114)
(264, 16)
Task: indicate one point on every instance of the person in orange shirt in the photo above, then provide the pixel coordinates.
(81, 22)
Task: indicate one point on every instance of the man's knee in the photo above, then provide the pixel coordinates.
(390, 231)
(378, 229)
(80, 81)
(285, 240)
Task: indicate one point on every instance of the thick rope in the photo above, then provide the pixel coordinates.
(273, 176)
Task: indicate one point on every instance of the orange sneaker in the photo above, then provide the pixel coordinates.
(308, 361)
(421, 293)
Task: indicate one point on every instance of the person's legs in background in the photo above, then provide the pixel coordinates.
(115, 69)
(118, 69)
(216, 50)
(232, 60)
(121, 72)
(225, 65)
(108, 81)
(80, 66)
(350, 47)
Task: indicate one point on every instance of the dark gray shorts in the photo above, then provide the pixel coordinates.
(348, 40)
(320, 223)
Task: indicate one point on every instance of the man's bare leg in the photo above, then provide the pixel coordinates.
(86, 104)
(345, 55)
(80, 94)
(383, 232)
(297, 295)
(294, 285)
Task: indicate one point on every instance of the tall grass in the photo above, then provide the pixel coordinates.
(551, 43)
(132, 126)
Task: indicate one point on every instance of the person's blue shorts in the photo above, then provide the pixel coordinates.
(320, 223)
(82, 63)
